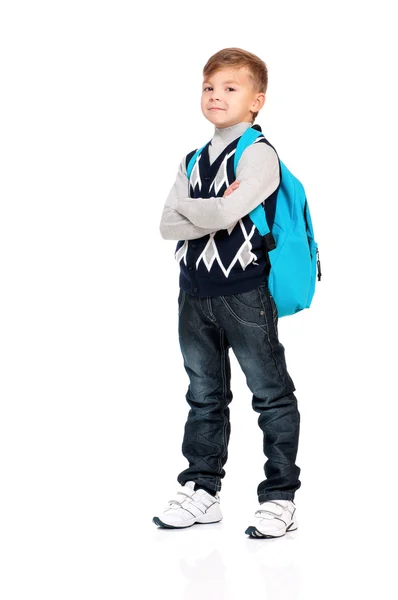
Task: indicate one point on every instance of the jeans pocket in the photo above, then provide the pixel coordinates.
(247, 308)
(250, 299)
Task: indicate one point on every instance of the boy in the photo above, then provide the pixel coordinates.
(224, 301)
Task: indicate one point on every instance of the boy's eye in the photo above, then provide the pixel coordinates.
(209, 88)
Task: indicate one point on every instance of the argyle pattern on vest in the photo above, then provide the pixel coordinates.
(229, 261)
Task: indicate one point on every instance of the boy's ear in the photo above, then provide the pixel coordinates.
(261, 98)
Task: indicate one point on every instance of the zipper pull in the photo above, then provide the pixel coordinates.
(318, 264)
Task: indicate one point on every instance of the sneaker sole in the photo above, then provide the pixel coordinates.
(160, 523)
(253, 532)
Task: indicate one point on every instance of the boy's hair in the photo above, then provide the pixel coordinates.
(237, 58)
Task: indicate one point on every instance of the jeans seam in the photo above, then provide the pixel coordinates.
(274, 312)
(182, 302)
(201, 299)
(268, 335)
(224, 381)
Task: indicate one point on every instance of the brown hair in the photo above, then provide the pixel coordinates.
(237, 58)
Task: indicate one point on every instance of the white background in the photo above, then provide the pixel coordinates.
(99, 102)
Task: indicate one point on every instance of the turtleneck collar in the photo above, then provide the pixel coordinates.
(225, 135)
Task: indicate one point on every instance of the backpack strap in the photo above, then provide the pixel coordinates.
(257, 215)
(248, 137)
(193, 160)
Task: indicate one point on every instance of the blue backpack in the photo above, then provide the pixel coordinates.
(290, 248)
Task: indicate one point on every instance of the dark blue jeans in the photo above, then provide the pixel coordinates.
(247, 322)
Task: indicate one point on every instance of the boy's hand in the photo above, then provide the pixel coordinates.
(234, 185)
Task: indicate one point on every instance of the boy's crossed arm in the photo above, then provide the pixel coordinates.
(173, 225)
(257, 177)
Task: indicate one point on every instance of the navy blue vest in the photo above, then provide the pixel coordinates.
(227, 261)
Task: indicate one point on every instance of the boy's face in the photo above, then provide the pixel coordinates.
(230, 91)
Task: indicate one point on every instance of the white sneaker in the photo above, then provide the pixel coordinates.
(273, 519)
(190, 508)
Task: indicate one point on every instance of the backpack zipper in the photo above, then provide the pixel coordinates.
(318, 264)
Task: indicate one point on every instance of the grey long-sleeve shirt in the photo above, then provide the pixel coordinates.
(186, 218)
